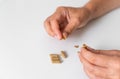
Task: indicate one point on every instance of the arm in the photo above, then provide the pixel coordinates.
(101, 7)
(67, 19)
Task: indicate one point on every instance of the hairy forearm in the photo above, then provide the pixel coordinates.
(100, 7)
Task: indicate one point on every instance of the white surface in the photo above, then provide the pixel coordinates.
(25, 46)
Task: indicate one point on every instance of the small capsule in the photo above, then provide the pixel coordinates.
(84, 46)
(63, 54)
(56, 62)
(76, 46)
(55, 58)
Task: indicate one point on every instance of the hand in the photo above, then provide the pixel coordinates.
(65, 20)
(101, 64)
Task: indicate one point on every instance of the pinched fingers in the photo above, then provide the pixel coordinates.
(99, 65)
(93, 70)
(96, 59)
(70, 27)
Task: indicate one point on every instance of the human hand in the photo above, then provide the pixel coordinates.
(65, 20)
(100, 64)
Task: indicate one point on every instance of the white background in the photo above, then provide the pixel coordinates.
(25, 46)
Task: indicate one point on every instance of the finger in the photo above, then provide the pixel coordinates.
(96, 70)
(109, 52)
(95, 51)
(48, 28)
(89, 48)
(96, 59)
(68, 30)
(104, 52)
(56, 29)
(90, 75)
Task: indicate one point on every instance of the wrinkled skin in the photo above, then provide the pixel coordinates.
(100, 64)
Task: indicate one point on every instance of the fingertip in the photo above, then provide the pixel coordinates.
(58, 32)
(87, 48)
(64, 35)
(58, 36)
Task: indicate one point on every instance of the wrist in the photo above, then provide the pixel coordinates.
(91, 9)
(84, 16)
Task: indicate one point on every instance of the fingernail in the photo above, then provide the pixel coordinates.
(57, 36)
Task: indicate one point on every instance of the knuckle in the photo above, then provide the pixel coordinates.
(60, 8)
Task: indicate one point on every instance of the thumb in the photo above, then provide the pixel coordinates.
(94, 50)
(90, 49)
(104, 52)
(68, 30)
